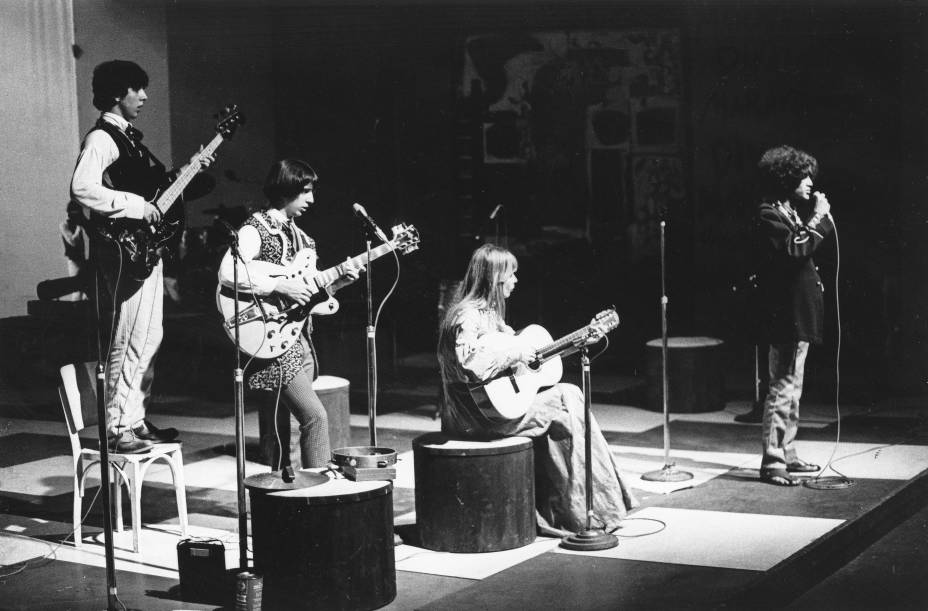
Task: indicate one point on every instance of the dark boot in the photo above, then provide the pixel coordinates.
(149, 432)
(128, 443)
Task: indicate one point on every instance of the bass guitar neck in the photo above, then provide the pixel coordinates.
(134, 244)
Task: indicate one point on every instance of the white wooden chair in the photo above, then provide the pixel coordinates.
(78, 400)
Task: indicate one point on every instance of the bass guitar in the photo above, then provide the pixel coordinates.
(138, 243)
(508, 395)
(269, 325)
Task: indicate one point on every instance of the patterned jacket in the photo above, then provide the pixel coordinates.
(790, 305)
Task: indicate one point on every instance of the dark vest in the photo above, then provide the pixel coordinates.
(136, 170)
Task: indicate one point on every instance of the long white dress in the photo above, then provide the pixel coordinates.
(555, 418)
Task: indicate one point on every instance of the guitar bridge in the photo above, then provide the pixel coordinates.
(249, 314)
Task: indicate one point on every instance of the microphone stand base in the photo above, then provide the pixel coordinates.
(828, 483)
(668, 473)
(589, 541)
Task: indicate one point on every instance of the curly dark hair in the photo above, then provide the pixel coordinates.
(286, 179)
(113, 79)
(782, 168)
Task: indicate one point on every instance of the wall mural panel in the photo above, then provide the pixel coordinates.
(589, 121)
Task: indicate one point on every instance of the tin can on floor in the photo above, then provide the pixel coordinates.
(248, 590)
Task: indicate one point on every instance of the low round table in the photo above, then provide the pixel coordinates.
(474, 496)
(695, 378)
(328, 546)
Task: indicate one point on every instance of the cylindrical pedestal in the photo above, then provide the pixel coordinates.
(474, 496)
(695, 380)
(325, 547)
(333, 391)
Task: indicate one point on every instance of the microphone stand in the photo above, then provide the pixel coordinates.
(589, 539)
(108, 552)
(502, 238)
(371, 346)
(238, 383)
(669, 472)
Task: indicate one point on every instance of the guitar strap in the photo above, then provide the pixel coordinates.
(294, 234)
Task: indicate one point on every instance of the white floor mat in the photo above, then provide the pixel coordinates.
(867, 460)
(635, 461)
(467, 566)
(714, 538)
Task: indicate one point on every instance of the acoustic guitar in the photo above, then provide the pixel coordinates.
(509, 395)
(270, 325)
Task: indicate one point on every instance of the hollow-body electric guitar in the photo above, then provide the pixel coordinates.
(509, 394)
(270, 325)
(139, 243)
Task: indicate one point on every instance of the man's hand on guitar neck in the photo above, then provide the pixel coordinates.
(349, 273)
(200, 158)
(152, 214)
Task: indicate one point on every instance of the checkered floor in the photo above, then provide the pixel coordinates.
(722, 518)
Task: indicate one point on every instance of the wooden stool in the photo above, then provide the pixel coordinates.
(329, 546)
(474, 496)
(695, 380)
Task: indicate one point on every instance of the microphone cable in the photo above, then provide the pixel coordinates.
(396, 281)
(841, 481)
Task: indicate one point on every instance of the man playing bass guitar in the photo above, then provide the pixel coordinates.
(114, 178)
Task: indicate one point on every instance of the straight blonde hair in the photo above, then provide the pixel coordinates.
(482, 287)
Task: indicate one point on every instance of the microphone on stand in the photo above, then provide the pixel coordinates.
(362, 214)
(231, 232)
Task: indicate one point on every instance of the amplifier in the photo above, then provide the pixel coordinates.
(201, 564)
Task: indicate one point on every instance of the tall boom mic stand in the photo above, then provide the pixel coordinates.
(238, 382)
(371, 345)
(108, 552)
(669, 472)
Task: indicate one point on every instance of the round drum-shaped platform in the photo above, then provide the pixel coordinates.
(474, 496)
(695, 380)
(325, 547)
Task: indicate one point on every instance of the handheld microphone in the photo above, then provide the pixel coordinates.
(818, 194)
(362, 214)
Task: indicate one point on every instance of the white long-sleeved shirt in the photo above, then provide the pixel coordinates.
(99, 152)
(253, 279)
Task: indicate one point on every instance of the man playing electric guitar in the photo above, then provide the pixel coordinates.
(271, 236)
(113, 176)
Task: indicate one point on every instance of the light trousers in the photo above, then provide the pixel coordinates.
(781, 408)
(136, 336)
